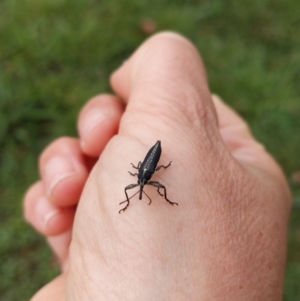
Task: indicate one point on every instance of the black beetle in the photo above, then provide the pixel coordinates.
(146, 170)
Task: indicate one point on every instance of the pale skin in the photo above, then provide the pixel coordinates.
(227, 238)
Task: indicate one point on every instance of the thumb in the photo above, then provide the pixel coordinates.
(167, 95)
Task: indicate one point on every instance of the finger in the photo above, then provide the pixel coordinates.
(240, 142)
(43, 215)
(60, 245)
(98, 122)
(64, 171)
(234, 130)
(165, 85)
(53, 291)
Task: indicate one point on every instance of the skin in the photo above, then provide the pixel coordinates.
(227, 238)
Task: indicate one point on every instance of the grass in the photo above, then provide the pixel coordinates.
(55, 54)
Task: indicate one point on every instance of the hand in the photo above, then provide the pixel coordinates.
(227, 238)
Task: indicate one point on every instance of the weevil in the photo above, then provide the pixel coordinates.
(146, 169)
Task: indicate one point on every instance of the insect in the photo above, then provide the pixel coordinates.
(146, 169)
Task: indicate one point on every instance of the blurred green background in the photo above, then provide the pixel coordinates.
(55, 54)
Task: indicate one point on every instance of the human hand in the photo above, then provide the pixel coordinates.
(227, 238)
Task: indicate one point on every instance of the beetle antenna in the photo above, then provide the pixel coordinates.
(133, 195)
(147, 197)
(129, 198)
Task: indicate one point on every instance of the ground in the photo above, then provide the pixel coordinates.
(55, 54)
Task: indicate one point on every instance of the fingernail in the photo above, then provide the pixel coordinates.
(45, 211)
(55, 170)
(93, 118)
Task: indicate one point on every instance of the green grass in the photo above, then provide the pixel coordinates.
(55, 54)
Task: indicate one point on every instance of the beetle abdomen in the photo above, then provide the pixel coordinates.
(152, 157)
(149, 164)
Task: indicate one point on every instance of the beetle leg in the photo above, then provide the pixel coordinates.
(127, 199)
(130, 186)
(132, 174)
(136, 167)
(158, 185)
(159, 167)
(160, 192)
